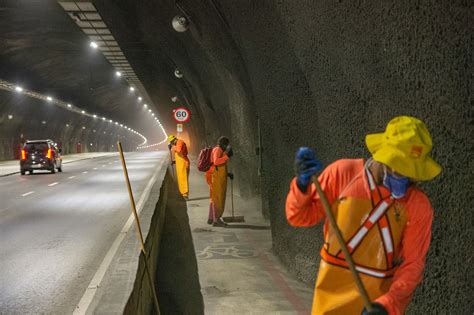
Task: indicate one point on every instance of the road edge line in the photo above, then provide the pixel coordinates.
(86, 299)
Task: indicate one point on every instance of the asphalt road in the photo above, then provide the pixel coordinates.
(55, 229)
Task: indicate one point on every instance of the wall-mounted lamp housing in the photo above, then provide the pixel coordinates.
(178, 74)
(180, 23)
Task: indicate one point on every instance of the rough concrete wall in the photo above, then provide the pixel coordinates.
(324, 74)
(33, 119)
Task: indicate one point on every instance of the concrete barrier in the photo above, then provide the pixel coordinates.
(125, 287)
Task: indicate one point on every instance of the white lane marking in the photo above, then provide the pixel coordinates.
(85, 172)
(94, 168)
(103, 165)
(28, 193)
(86, 299)
(110, 163)
(53, 184)
(71, 177)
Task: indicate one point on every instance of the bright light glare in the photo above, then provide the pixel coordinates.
(118, 73)
(132, 88)
(95, 116)
(103, 118)
(18, 89)
(69, 105)
(149, 110)
(49, 98)
(83, 112)
(145, 105)
(139, 98)
(94, 45)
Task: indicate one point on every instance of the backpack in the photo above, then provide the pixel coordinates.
(204, 160)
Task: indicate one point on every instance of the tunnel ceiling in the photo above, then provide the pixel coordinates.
(42, 49)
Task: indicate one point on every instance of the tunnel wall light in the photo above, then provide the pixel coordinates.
(132, 89)
(180, 23)
(94, 45)
(18, 89)
(178, 73)
(7, 86)
(118, 74)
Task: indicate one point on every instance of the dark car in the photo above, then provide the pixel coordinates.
(40, 155)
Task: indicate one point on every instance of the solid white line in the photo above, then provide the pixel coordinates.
(85, 172)
(94, 168)
(71, 177)
(86, 299)
(53, 184)
(28, 193)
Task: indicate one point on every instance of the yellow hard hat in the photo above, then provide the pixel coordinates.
(171, 138)
(405, 146)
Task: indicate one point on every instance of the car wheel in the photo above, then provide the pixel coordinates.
(22, 172)
(31, 172)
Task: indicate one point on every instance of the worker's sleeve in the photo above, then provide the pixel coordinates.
(415, 243)
(306, 209)
(218, 157)
(179, 146)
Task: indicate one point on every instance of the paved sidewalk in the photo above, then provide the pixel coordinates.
(11, 167)
(238, 272)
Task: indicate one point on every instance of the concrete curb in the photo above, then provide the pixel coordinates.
(123, 280)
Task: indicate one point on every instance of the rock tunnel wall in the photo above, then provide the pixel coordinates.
(324, 74)
(24, 118)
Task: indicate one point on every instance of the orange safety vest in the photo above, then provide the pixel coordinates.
(372, 224)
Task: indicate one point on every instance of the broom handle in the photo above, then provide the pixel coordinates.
(342, 243)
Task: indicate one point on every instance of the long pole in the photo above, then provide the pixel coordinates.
(342, 243)
(139, 229)
(171, 160)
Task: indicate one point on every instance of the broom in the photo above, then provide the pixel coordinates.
(233, 218)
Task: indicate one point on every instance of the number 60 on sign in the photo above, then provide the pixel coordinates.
(181, 115)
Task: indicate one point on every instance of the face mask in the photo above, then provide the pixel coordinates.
(398, 186)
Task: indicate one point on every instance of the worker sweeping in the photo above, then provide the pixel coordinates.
(216, 178)
(384, 218)
(181, 162)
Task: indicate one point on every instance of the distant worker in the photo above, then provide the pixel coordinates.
(383, 215)
(181, 162)
(216, 178)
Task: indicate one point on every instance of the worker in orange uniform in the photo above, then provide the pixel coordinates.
(216, 178)
(182, 164)
(384, 217)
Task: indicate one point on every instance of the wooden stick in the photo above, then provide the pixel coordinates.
(342, 243)
(139, 228)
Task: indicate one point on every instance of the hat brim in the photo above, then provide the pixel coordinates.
(417, 169)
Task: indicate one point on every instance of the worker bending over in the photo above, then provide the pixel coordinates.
(216, 178)
(384, 217)
(182, 164)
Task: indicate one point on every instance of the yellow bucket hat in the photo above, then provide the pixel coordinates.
(171, 138)
(405, 146)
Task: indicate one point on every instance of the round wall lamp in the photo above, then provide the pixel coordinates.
(180, 23)
(178, 74)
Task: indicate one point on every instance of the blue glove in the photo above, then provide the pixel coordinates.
(377, 309)
(306, 165)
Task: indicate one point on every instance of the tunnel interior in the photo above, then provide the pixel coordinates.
(272, 76)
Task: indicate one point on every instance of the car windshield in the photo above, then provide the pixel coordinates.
(40, 146)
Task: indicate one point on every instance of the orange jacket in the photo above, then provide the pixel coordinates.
(181, 148)
(305, 209)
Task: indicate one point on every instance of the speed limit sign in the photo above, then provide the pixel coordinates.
(181, 115)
